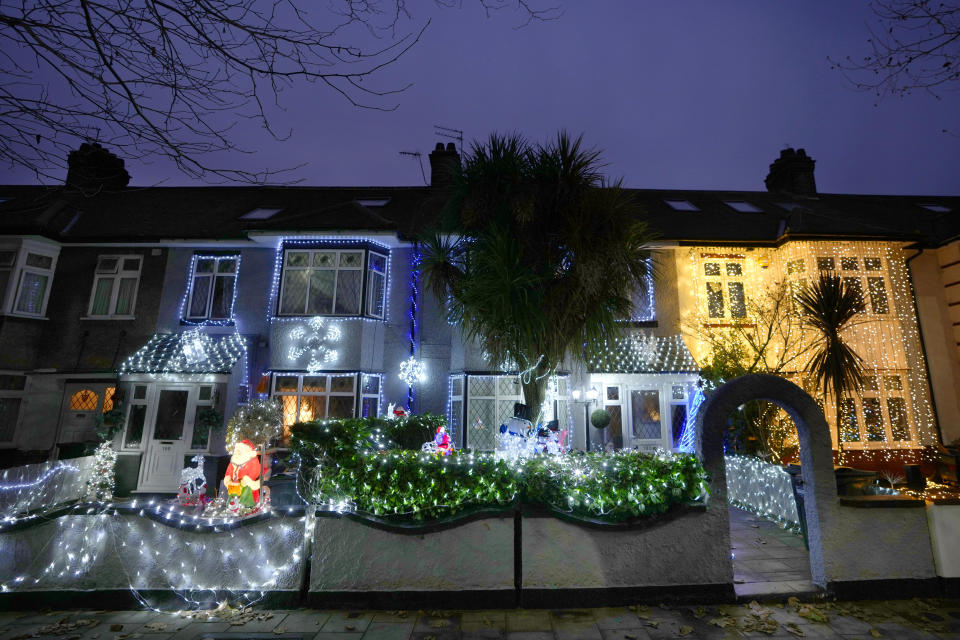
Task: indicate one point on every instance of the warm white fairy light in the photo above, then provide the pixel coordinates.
(887, 341)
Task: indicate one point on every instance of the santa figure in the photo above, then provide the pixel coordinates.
(442, 440)
(243, 474)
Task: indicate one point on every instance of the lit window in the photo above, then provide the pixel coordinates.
(715, 299)
(213, 281)
(850, 431)
(897, 409)
(108, 395)
(849, 264)
(84, 400)
(854, 284)
(681, 205)
(873, 420)
(115, 286)
(711, 269)
(878, 295)
(331, 282)
(738, 304)
(826, 264)
(315, 396)
(742, 207)
(136, 415)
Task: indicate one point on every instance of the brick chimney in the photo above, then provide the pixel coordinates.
(792, 173)
(92, 169)
(443, 162)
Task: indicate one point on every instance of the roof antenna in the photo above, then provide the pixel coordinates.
(419, 157)
(447, 132)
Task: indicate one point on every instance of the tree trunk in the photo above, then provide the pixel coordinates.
(838, 394)
(534, 385)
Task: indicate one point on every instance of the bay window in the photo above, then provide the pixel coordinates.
(338, 282)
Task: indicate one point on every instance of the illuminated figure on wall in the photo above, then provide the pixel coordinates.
(243, 475)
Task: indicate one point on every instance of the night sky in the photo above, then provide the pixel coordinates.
(692, 95)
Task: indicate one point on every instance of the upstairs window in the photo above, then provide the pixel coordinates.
(26, 274)
(338, 282)
(115, 286)
(724, 281)
(212, 286)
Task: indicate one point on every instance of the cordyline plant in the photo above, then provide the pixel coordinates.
(538, 255)
(830, 307)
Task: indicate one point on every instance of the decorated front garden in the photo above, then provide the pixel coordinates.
(379, 467)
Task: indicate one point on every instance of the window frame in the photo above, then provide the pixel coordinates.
(206, 318)
(356, 394)
(365, 305)
(727, 282)
(118, 276)
(16, 270)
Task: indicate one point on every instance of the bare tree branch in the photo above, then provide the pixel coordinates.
(169, 78)
(915, 45)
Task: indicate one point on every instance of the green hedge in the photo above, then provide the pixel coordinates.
(356, 464)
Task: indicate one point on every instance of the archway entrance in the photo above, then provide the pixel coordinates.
(815, 449)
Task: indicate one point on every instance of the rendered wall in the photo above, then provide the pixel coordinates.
(349, 556)
(944, 523)
(690, 549)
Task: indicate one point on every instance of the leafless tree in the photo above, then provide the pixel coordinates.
(915, 45)
(171, 78)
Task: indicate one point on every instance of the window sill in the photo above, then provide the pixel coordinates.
(108, 318)
(25, 316)
(186, 322)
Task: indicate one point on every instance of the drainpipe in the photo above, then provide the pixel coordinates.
(923, 346)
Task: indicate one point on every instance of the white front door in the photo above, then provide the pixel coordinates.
(168, 433)
(646, 422)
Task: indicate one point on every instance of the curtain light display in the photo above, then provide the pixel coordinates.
(314, 340)
(887, 338)
(191, 351)
(762, 488)
(641, 353)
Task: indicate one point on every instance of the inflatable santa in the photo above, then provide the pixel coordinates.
(442, 440)
(243, 474)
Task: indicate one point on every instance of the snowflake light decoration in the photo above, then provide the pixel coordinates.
(313, 339)
(412, 371)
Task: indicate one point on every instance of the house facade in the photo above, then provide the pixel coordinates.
(163, 309)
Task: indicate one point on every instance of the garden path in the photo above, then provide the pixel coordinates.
(767, 559)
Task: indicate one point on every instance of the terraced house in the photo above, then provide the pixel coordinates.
(161, 309)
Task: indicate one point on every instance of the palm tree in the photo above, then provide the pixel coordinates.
(830, 307)
(538, 255)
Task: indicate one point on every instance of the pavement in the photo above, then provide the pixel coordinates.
(899, 619)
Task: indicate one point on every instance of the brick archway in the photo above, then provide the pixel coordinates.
(816, 453)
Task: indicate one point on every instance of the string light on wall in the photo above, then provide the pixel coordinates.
(411, 370)
(313, 340)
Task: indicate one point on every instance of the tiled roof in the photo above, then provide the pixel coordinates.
(153, 214)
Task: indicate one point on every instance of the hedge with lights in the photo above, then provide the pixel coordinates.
(351, 463)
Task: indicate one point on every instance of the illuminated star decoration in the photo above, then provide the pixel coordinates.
(313, 340)
(412, 371)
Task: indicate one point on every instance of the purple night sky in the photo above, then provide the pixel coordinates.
(693, 94)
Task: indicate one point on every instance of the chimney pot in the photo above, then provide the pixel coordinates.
(792, 173)
(443, 162)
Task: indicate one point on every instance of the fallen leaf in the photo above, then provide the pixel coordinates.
(630, 636)
(349, 627)
(116, 627)
(685, 630)
(155, 626)
(279, 630)
(875, 633)
(654, 623)
(793, 628)
(699, 612)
